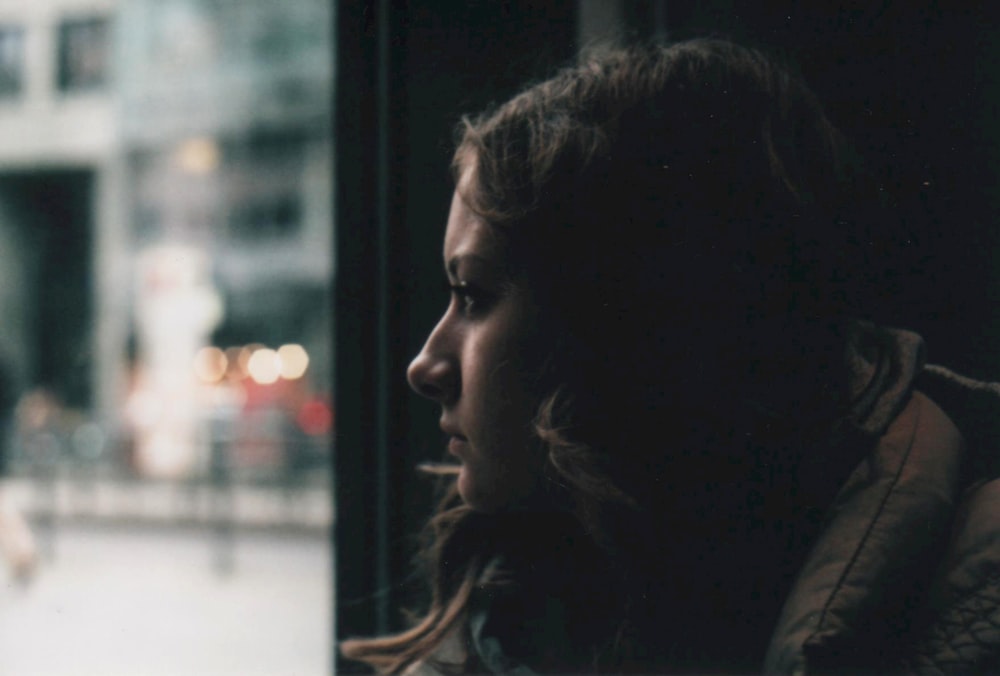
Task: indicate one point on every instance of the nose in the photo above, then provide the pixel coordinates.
(433, 373)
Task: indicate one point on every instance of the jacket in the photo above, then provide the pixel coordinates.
(906, 576)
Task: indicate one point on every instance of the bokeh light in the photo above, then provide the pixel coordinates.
(244, 355)
(294, 361)
(235, 367)
(198, 156)
(264, 366)
(210, 365)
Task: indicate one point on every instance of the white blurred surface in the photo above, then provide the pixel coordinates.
(142, 603)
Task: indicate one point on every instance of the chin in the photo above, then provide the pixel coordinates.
(476, 492)
(468, 489)
(482, 494)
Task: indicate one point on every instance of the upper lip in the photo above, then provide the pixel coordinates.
(451, 430)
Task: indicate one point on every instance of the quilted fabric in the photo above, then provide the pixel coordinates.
(906, 578)
(963, 632)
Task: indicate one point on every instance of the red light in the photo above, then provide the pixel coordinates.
(315, 418)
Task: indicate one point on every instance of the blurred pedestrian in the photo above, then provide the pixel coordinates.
(17, 543)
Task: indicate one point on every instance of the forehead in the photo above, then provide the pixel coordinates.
(469, 235)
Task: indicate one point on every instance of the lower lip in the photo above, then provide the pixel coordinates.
(456, 445)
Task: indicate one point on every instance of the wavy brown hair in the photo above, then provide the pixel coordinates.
(693, 226)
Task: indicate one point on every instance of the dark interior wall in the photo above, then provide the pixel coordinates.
(916, 86)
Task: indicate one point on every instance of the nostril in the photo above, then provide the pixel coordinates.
(434, 379)
(430, 377)
(430, 391)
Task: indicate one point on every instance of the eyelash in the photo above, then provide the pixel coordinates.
(471, 299)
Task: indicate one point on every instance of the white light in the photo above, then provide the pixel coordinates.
(264, 366)
(294, 361)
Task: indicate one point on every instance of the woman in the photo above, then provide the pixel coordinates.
(679, 447)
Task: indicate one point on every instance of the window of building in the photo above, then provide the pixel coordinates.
(270, 217)
(84, 58)
(11, 60)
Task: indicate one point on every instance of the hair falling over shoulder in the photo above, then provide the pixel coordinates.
(453, 566)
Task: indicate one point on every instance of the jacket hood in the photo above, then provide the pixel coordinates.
(883, 365)
(903, 576)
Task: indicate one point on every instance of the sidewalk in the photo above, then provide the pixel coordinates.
(114, 500)
(141, 601)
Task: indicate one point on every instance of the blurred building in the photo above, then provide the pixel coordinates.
(165, 172)
(57, 149)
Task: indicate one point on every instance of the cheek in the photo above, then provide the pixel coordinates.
(500, 400)
(504, 471)
(509, 385)
(516, 450)
(500, 395)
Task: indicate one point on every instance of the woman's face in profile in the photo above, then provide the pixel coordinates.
(478, 364)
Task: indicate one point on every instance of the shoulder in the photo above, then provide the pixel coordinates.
(907, 570)
(543, 613)
(451, 652)
(500, 628)
(962, 631)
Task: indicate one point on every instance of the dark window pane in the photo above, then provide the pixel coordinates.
(83, 54)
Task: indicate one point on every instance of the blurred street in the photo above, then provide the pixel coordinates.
(127, 600)
(303, 506)
(166, 364)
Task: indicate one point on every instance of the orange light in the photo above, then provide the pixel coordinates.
(245, 353)
(198, 156)
(210, 365)
(236, 368)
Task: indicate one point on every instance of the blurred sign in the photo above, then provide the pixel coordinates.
(176, 310)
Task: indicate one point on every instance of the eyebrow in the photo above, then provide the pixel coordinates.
(454, 261)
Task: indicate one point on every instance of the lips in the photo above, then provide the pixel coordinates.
(457, 444)
(457, 441)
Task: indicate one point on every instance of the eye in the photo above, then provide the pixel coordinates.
(471, 299)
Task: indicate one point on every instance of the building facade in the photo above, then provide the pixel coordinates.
(165, 172)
